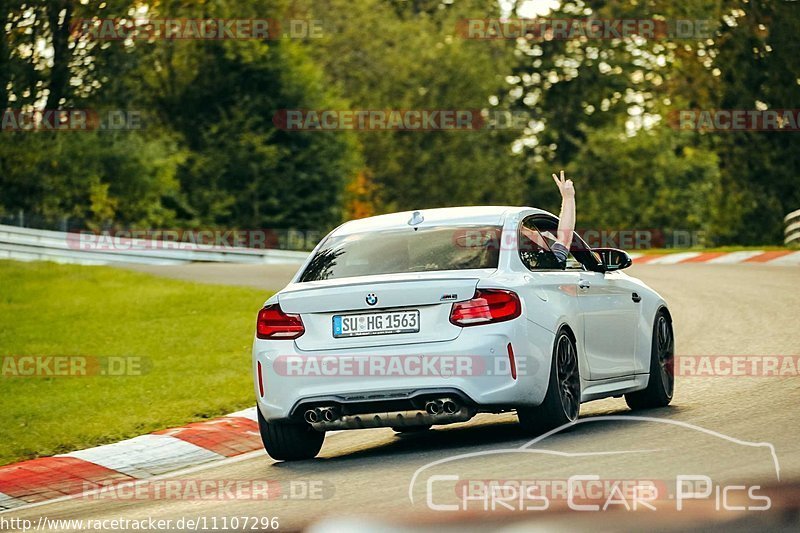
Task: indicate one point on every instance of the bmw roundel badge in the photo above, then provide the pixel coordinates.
(371, 299)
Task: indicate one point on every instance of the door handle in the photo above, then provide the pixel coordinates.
(636, 298)
(583, 284)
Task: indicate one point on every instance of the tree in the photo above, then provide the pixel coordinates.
(409, 56)
(655, 180)
(210, 153)
(582, 89)
(756, 63)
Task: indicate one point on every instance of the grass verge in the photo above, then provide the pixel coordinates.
(191, 342)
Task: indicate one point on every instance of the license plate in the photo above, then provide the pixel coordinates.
(376, 323)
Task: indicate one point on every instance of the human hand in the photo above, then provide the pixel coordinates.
(565, 186)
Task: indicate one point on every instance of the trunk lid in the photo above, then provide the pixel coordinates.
(431, 293)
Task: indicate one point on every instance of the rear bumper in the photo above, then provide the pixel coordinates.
(474, 368)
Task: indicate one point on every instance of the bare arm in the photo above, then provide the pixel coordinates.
(566, 219)
(535, 237)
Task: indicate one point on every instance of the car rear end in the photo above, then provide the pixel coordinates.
(403, 326)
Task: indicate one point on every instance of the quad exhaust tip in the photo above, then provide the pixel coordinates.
(433, 407)
(449, 406)
(441, 406)
(320, 414)
(329, 414)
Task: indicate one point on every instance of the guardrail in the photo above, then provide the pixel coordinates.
(26, 244)
(792, 231)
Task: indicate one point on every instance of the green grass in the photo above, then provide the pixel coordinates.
(194, 340)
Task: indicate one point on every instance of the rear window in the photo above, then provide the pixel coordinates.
(406, 250)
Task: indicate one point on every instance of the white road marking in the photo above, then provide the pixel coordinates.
(249, 413)
(147, 455)
(9, 502)
(735, 257)
(789, 260)
(671, 259)
(225, 461)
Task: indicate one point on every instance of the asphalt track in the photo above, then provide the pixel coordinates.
(721, 427)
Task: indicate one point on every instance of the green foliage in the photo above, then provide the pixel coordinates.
(211, 154)
(758, 66)
(408, 55)
(97, 177)
(588, 96)
(242, 171)
(667, 180)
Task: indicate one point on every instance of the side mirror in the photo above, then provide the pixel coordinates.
(614, 259)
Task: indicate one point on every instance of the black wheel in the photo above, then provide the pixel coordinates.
(286, 441)
(562, 402)
(662, 368)
(411, 429)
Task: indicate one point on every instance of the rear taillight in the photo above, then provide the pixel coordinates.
(487, 306)
(273, 323)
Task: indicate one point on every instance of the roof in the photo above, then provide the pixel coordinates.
(478, 215)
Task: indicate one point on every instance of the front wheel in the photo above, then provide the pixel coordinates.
(562, 402)
(661, 383)
(286, 441)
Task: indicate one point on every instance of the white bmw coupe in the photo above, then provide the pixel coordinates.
(420, 318)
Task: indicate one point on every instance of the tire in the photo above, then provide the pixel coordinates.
(286, 441)
(562, 402)
(411, 429)
(661, 384)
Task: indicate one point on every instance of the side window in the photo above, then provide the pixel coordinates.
(534, 247)
(536, 235)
